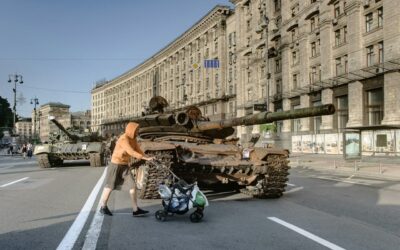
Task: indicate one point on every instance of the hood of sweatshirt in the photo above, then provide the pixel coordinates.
(131, 129)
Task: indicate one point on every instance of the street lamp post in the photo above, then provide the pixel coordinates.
(34, 101)
(16, 78)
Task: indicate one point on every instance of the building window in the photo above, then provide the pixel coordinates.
(338, 66)
(345, 34)
(278, 86)
(312, 24)
(277, 5)
(317, 121)
(296, 123)
(336, 8)
(370, 55)
(342, 111)
(278, 67)
(249, 94)
(313, 49)
(375, 106)
(294, 58)
(369, 21)
(295, 10)
(380, 52)
(293, 33)
(380, 17)
(346, 64)
(337, 37)
(294, 86)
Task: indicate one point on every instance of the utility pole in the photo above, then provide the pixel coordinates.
(34, 101)
(16, 78)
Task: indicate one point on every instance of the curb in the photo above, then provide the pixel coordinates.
(358, 173)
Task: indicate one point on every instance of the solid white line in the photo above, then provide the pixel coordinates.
(290, 184)
(10, 183)
(94, 231)
(76, 228)
(307, 234)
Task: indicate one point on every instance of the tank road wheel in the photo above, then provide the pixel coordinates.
(43, 161)
(272, 183)
(97, 160)
(148, 177)
(47, 161)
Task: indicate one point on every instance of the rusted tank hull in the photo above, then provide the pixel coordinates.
(263, 174)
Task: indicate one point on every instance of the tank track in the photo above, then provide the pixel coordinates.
(47, 161)
(272, 180)
(153, 177)
(271, 176)
(97, 160)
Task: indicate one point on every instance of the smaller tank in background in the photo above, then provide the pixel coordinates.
(71, 144)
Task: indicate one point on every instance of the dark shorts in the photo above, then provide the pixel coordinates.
(118, 175)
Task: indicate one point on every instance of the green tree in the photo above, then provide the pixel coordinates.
(6, 114)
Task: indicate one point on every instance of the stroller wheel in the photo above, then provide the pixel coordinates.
(161, 215)
(196, 216)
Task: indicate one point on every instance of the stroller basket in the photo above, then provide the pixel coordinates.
(179, 198)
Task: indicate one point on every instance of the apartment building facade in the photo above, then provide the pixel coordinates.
(290, 54)
(23, 128)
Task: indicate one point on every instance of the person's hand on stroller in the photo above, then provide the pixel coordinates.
(148, 158)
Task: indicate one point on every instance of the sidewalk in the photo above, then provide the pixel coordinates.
(376, 167)
(4, 152)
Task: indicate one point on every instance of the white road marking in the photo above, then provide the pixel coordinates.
(306, 234)
(10, 183)
(293, 190)
(290, 184)
(73, 233)
(344, 180)
(94, 231)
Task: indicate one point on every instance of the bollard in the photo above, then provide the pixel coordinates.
(334, 164)
(355, 166)
(380, 167)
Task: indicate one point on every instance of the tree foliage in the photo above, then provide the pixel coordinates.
(6, 116)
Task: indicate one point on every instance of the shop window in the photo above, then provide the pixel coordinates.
(342, 111)
(375, 106)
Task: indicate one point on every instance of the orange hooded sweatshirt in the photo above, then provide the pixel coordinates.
(127, 146)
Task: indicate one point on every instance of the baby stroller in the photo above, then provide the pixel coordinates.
(179, 198)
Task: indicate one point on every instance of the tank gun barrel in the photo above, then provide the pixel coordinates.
(266, 117)
(61, 127)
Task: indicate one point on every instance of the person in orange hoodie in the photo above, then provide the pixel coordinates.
(118, 170)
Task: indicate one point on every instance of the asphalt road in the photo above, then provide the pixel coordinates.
(56, 208)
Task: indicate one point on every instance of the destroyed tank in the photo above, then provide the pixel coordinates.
(71, 144)
(197, 149)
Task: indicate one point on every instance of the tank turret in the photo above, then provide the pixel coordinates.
(191, 122)
(75, 135)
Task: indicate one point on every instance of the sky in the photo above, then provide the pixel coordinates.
(61, 48)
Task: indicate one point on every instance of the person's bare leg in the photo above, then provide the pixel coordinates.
(105, 196)
(132, 193)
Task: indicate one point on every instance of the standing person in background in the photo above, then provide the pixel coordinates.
(24, 150)
(118, 170)
(30, 149)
